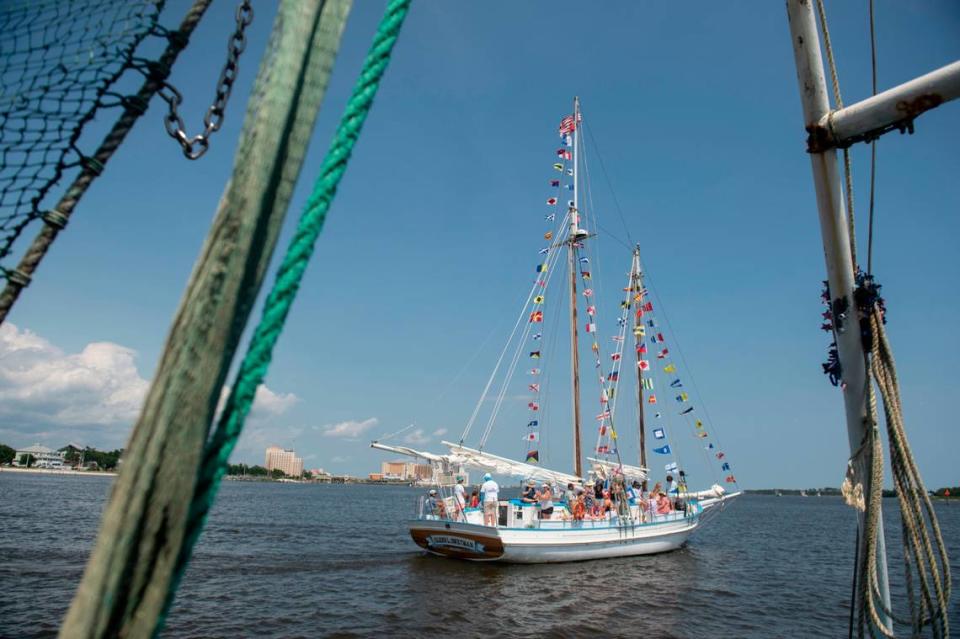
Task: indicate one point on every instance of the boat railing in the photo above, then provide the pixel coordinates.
(514, 514)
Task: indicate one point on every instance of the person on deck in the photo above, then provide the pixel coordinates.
(664, 505)
(671, 487)
(491, 496)
(475, 499)
(529, 493)
(652, 502)
(545, 497)
(570, 496)
(435, 505)
(578, 507)
(460, 497)
(607, 509)
(635, 492)
(590, 500)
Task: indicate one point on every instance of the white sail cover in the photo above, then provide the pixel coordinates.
(608, 468)
(503, 466)
(404, 450)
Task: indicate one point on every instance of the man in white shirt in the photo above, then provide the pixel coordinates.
(491, 495)
(460, 494)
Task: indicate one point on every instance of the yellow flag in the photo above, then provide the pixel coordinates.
(669, 368)
(538, 299)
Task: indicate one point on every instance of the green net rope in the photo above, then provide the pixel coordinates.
(255, 363)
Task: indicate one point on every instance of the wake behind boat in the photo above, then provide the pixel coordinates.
(611, 510)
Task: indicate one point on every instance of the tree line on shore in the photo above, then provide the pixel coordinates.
(103, 459)
(243, 470)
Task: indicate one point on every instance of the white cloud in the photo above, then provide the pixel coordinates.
(350, 429)
(42, 388)
(266, 403)
(416, 437)
(93, 397)
(440, 432)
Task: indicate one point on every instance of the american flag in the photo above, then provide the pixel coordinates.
(567, 125)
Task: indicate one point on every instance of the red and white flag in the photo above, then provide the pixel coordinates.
(533, 406)
(615, 356)
(644, 365)
(532, 437)
(551, 201)
(564, 154)
(591, 328)
(604, 415)
(662, 354)
(568, 125)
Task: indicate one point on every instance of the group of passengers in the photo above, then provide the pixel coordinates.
(594, 500)
(603, 499)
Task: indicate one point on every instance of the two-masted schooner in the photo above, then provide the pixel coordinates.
(631, 520)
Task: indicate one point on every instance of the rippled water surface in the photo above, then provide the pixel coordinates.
(289, 560)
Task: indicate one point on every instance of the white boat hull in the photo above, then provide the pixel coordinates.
(550, 543)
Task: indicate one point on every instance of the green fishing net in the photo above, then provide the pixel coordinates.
(58, 61)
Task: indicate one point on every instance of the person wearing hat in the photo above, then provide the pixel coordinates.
(545, 497)
(491, 496)
(460, 495)
(529, 493)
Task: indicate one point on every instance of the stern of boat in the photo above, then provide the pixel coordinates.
(456, 539)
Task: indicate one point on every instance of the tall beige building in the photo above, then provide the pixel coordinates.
(284, 459)
(408, 471)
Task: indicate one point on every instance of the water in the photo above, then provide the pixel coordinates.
(289, 560)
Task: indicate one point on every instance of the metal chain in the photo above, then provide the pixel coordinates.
(194, 147)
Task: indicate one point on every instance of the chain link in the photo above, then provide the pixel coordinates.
(194, 147)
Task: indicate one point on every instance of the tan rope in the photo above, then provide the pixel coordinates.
(838, 100)
(924, 553)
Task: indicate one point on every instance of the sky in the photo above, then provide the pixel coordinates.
(430, 246)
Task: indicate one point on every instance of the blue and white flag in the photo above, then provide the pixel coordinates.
(672, 466)
(663, 450)
(658, 433)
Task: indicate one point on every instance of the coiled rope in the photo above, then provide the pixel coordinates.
(920, 534)
(255, 363)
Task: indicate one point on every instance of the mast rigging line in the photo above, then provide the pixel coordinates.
(550, 261)
(606, 176)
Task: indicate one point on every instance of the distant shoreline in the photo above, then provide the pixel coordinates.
(54, 471)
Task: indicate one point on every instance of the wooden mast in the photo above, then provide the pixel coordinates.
(572, 264)
(636, 285)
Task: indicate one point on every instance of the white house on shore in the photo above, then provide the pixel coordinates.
(43, 457)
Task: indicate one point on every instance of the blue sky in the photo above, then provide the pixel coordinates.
(431, 243)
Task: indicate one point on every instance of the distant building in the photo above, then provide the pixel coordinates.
(406, 471)
(318, 472)
(43, 457)
(284, 459)
(376, 476)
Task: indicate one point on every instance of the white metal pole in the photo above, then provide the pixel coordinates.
(894, 107)
(836, 245)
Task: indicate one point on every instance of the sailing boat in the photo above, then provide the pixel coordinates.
(624, 522)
